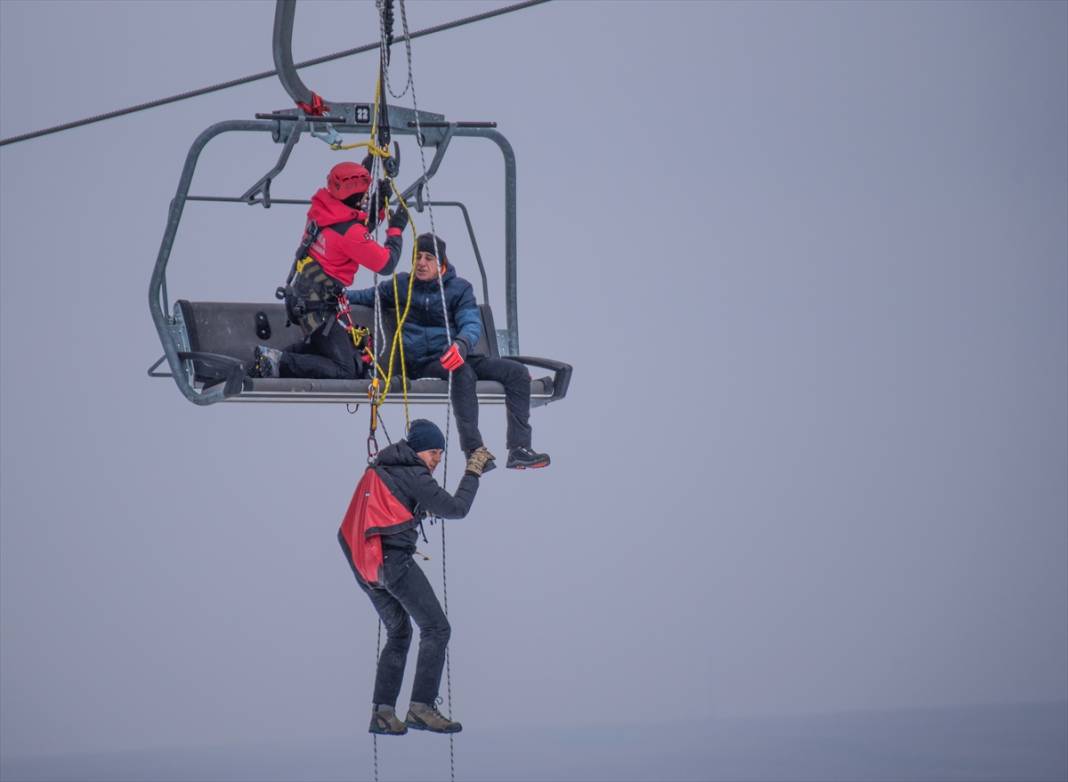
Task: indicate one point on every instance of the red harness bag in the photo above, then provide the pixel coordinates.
(372, 512)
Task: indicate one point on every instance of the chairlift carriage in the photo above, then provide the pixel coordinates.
(208, 344)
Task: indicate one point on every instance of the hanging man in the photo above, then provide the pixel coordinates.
(429, 352)
(378, 536)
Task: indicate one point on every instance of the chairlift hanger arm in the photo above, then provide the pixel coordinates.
(306, 99)
(282, 46)
(399, 119)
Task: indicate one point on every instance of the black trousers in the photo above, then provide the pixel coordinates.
(328, 357)
(406, 594)
(511, 374)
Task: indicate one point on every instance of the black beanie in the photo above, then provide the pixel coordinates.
(424, 435)
(424, 243)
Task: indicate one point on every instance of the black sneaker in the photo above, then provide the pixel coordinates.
(265, 362)
(490, 465)
(526, 459)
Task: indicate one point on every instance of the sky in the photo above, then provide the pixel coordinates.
(810, 263)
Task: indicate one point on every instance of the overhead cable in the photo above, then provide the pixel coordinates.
(266, 74)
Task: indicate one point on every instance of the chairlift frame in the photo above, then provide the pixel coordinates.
(286, 127)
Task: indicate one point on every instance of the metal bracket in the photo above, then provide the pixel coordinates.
(152, 369)
(416, 187)
(263, 186)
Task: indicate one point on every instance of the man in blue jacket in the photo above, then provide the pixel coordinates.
(429, 353)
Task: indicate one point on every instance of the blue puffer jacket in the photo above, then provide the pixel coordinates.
(424, 330)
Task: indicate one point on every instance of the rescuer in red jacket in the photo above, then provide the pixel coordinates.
(378, 536)
(336, 243)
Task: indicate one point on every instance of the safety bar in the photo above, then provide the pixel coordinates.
(234, 370)
(420, 207)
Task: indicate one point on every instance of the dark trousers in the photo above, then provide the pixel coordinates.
(329, 357)
(511, 374)
(406, 594)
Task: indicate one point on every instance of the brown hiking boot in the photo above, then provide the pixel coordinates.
(425, 716)
(384, 722)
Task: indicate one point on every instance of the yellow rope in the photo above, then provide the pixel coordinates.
(402, 317)
(359, 334)
(384, 152)
(372, 144)
(377, 151)
(398, 340)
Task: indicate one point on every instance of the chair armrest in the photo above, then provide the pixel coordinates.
(561, 373)
(232, 369)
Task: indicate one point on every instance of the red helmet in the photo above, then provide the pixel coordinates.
(346, 179)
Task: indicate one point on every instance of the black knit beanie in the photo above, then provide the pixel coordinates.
(424, 243)
(424, 435)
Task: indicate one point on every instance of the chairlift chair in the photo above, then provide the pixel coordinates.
(208, 344)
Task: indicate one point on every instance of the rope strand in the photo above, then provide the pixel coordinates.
(374, 737)
(448, 337)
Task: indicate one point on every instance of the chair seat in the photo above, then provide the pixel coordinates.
(421, 391)
(220, 338)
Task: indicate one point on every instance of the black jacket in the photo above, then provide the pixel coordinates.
(410, 481)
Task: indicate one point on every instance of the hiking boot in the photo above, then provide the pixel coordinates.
(425, 716)
(523, 458)
(490, 465)
(384, 721)
(265, 362)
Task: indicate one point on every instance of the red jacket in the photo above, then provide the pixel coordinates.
(342, 250)
(373, 512)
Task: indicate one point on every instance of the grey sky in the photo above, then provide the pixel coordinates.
(810, 262)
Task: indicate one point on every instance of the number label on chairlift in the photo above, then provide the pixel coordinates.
(363, 114)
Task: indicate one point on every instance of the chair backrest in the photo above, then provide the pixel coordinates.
(229, 328)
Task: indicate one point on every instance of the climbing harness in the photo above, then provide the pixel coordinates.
(313, 298)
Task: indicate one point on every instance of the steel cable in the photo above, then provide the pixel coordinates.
(263, 75)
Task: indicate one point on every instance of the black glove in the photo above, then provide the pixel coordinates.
(368, 161)
(384, 192)
(399, 219)
(379, 206)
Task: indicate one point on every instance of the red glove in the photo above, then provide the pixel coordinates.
(453, 358)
